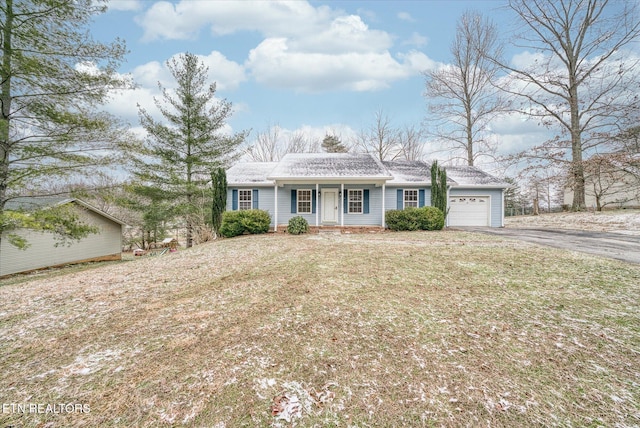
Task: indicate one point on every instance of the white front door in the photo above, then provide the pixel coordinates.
(330, 204)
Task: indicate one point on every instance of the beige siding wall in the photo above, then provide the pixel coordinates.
(42, 251)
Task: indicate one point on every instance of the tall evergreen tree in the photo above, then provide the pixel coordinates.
(219, 197)
(180, 152)
(53, 78)
(439, 187)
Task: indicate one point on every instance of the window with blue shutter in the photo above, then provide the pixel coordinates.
(400, 199)
(313, 201)
(294, 201)
(421, 198)
(234, 199)
(365, 201)
(255, 199)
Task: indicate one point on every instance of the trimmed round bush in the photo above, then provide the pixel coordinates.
(236, 223)
(425, 218)
(297, 225)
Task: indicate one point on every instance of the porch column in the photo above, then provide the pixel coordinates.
(341, 204)
(383, 211)
(446, 217)
(275, 210)
(502, 216)
(317, 203)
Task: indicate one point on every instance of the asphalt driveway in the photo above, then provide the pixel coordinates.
(612, 245)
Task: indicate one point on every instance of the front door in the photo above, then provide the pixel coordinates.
(330, 205)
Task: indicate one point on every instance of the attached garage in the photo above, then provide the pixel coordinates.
(469, 210)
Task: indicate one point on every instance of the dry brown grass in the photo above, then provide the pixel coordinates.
(395, 329)
(617, 221)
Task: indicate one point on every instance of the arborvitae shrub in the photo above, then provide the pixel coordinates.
(297, 225)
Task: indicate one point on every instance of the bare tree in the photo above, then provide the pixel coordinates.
(462, 97)
(381, 139)
(411, 144)
(580, 80)
(266, 147)
(270, 145)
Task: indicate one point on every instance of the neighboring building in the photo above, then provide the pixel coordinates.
(42, 252)
(612, 189)
(347, 189)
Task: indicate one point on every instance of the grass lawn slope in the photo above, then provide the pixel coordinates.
(370, 330)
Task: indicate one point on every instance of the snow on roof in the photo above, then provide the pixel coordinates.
(472, 176)
(251, 173)
(329, 165)
(411, 172)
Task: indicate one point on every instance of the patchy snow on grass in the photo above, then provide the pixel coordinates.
(619, 221)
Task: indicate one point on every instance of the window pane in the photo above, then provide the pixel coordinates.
(244, 200)
(355, 201)
(304, 201)
(411, 198)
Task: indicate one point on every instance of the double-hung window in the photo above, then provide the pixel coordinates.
(355, 201)
(410, 198)
(304, 201)
(245, 201)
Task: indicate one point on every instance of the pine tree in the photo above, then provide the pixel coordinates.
(53, 79)
(332, 144)
(180, 153)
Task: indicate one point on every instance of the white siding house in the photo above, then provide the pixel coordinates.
(43, 252)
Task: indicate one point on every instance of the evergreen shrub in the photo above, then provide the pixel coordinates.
(251, 222)
(297, 225)
(425, 218)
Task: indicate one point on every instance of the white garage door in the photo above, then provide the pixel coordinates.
(469, 210)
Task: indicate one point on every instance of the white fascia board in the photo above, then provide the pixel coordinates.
(251, 184)
(332, 180)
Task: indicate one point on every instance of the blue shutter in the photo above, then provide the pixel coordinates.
(255, 199)
(294, 201)
(400, 203)
(313, 202)
(365, 201)
(421, 198)
(234, 199)
(345, 202)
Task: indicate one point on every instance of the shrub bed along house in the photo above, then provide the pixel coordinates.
(251, 222)
(297, 225)
(425, 218)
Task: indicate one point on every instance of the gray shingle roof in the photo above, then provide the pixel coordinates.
(472, 176)
(353, 166)
(411, 172)
(250, 173)
(329, 165)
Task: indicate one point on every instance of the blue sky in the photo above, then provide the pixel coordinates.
(315, 66)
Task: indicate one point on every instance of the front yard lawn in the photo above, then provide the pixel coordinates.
(393, 329)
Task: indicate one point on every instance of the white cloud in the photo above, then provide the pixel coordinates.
(183, 20)
(125, 5)
(274, 64)
(405, 16)
(416, 40)
(305, 48)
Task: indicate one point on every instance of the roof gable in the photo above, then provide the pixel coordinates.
(33, 203)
